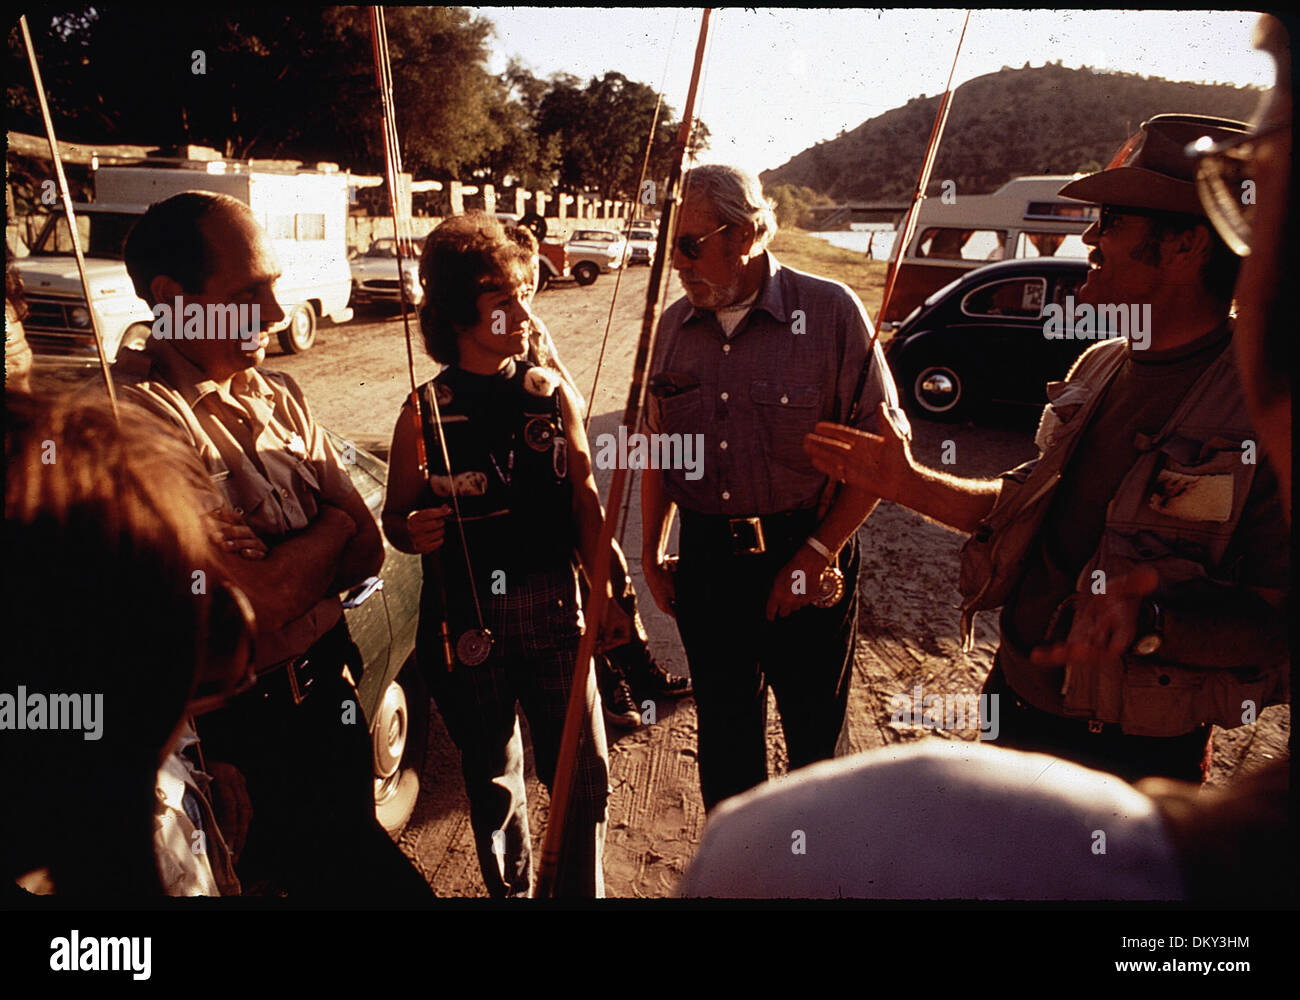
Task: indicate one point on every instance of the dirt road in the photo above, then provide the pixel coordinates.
(355, 378)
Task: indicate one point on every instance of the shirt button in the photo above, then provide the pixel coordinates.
(724, 397)
(285, 493)
(726, 495)
(726, 348)
(785, 399)
(239, 511)
(723, 445)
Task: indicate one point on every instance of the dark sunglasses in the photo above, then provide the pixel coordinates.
(1109, 215)
(690, 245)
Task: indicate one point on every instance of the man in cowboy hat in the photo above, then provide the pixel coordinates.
(1140, 561)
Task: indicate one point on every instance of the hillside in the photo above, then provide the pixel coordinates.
(1049, 120)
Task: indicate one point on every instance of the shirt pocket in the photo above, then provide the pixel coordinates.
(681, 413)
(1197, 482)
(787, 410)
(295, 484)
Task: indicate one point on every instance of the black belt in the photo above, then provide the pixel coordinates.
(744, 536)
(291, 680)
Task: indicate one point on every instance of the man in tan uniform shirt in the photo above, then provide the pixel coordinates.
(295, 533)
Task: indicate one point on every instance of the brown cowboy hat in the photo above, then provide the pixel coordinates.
(1152, 169)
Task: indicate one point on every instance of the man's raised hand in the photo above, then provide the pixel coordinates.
(870, 462)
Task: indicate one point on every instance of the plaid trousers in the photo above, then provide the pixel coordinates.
(536, 626)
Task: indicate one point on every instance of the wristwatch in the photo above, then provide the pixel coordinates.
(1150, 629)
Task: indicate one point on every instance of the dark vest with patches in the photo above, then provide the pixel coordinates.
(509, 467)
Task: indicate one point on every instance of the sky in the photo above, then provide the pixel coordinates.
(778, 80)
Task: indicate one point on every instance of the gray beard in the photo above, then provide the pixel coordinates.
(717, 296)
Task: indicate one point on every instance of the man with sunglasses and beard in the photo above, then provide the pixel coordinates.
(1141, 561)
(745, 365)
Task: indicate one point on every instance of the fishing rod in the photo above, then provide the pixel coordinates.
(66, 197)
(473, 646)
(922, 182)
(579, 702)
(627, 246)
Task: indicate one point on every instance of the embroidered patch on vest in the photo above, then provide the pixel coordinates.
(540, 382)
(1192, 498)
(468, 484)
(538, 433)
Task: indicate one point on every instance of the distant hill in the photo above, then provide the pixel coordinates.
(1050, 120)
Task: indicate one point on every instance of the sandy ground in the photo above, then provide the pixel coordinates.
(355, 378)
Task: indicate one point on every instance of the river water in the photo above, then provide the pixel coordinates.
(879, 235)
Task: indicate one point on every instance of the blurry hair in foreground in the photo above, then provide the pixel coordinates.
(110, 590)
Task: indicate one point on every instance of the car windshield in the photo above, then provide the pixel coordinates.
(641, 234)
(595, 235)
(102, 234)
(388, 248)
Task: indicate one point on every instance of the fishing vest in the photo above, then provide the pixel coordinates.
(509, 468)
(1176, 511)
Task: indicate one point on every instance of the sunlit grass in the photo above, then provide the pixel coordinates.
(805, 252)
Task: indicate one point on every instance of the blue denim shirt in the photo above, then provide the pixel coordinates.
(797, 358)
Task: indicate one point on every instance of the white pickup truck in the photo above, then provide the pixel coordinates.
(303, 211)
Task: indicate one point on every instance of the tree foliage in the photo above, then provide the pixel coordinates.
(299, 82)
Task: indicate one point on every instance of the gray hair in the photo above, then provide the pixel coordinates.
(736, 196)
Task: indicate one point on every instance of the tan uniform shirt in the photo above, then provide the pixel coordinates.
(269, 460)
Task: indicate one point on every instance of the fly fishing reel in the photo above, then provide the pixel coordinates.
(830, 587)
(474, 647)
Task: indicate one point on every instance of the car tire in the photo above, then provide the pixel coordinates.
(398, 742)
(585, 272)
(300, 334)
(943, 391)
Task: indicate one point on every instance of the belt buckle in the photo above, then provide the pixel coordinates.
(297, 691)
(740, 528)
(1094, 725)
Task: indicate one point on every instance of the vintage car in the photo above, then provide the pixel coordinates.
(374, 273)
(980, 339)
(592, 251)
(642, 241)
(1025, 219)
(382, 615)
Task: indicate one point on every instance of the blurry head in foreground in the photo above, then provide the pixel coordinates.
(122, 625)
(1245, 187)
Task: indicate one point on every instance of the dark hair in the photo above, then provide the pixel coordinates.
(464, 257)
(167, 240)
(1219, 270)
(103, 523)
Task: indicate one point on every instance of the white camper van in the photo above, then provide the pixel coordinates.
(1023, 218)
(303, 211)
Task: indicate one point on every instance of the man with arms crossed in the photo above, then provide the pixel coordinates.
(295, 533)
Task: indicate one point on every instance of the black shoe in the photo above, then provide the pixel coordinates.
(620, 708)
(654, 681)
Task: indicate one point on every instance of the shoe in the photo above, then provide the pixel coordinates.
(620, 708)
(656, 682)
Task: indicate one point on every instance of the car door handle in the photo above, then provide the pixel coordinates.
(359, 594)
